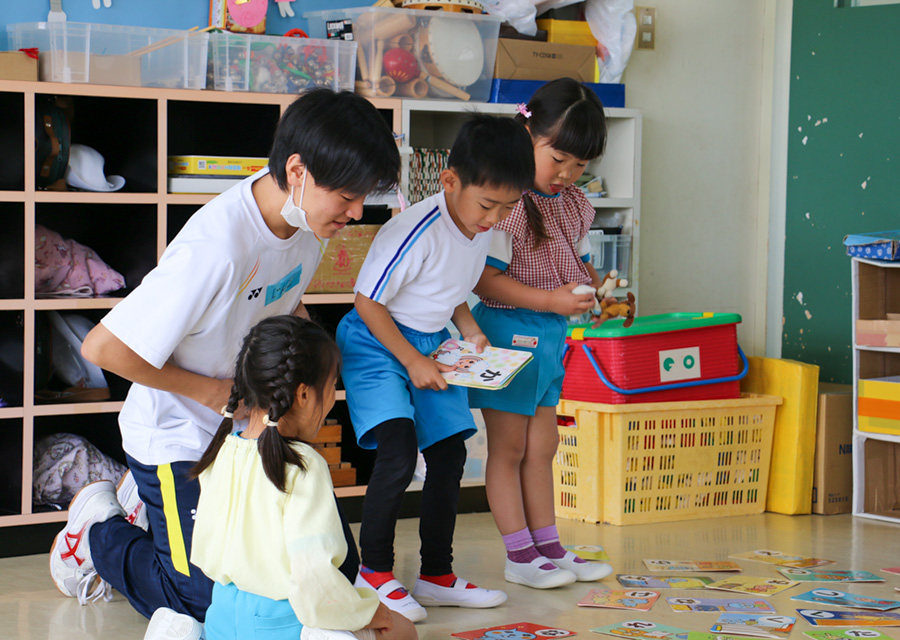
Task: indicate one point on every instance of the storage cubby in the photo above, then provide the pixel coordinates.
(12, 358)
(12, 137)
(617, 166)
(177, 216)
(220, 128)
(12, 250)
(878, 364)
(122, 235)
(879, 292)
(11, 432)
(104, 123)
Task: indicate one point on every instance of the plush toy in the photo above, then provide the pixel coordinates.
(610, 283)
(612, 308)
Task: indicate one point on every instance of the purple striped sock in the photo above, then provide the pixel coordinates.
(546, 541)
(520, 549)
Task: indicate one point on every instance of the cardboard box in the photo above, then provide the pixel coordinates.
(216, 165)
(343, 259)
(794, 443)
(879, 245)
(17, 65)
(833, 478)
(532, 60)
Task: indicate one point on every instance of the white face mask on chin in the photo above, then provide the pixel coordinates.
(294, 214)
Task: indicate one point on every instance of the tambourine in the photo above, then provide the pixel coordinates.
(451, 49)
(458, 6)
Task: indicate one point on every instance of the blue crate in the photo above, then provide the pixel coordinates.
(515, 91)
(880, 245)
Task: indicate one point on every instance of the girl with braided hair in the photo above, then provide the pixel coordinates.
(267, 529)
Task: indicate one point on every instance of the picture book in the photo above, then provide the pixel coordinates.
(663, 582)
(753, 585)
(734, 605)
(819, 618)
(828, 575)
(642, 629)
(846, 634)
(493, 368)
(619, 599)
(781, 558)
(588, 551)
(691, 565)
(841, 599)
(516, 631)
(754, 625)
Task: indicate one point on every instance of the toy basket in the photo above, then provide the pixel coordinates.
(660, 462)
(662, 358)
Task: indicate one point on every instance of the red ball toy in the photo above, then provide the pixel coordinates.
(400, 65)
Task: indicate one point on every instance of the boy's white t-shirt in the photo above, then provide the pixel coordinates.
(224, 272)
(421, 266)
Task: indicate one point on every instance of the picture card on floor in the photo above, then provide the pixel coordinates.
(619, 599)
(845, 634)
(753, 585)
(588, 551)
(754, 625)
(517, 631)
(819, 618)
(642, 629)
(735, 605)
(828, 575)
(781, 558)
(691, 565)
(704, 635)
(894, 570)
(841, 599)
(663, 582)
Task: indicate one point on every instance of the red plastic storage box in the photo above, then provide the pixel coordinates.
(663, 358)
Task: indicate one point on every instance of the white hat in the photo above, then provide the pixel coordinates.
(85, 170)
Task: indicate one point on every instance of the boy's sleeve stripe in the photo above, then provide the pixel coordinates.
(408, 241)
(497, 264)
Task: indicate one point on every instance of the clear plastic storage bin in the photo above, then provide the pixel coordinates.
(113, 54)
(274, 64)
(610, 251)
(417, 54)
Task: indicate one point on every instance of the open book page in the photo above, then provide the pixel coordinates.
(493, 368)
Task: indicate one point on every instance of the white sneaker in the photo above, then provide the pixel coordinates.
(166, 624)
(531, 575)
(429, 594)
(127, 495)
(405, 606)
(584, 571)
(71, 566)
(313, 633)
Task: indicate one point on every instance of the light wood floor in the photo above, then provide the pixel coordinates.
(31, 608)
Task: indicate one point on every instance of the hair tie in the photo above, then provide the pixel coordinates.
(269, 423)
(226, 413)
(523, 109)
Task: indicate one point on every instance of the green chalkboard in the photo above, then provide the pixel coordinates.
(843, 171)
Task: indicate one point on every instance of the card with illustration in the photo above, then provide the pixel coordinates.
(663, 582)
(820, 618)
(781, 558)
(734, 605)
(619, 599)
(753, 585)
(754, 625)
(516, 631)
(493, 368)
(828, 575)
(642, 629)
(841, 599)
(894, 570)
(704, 635)
(845, 634)
(691, 565)
(588, 551)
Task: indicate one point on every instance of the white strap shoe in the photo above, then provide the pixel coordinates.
(584, 571)
(531, 575)
(405, 606)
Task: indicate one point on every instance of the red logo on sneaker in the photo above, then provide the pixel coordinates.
(70, 553)
(133, 516)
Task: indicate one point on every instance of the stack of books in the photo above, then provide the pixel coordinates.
(210, 174)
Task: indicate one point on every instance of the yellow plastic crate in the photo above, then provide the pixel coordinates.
(664, 461)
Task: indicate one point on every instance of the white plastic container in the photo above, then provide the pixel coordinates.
(113, 54)
(281, 65)
(610, 251)
(418, 54)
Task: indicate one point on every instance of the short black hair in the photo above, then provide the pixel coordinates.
(495, 151)
(341, 138)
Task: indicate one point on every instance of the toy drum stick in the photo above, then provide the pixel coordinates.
(377, 61)
(403, 41)
(417, 88)
(446, 87)
(362, 63)
(365, 89)
(386, 86)
(167, 41)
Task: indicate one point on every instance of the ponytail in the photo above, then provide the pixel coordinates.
(225, 427)
(535, 220)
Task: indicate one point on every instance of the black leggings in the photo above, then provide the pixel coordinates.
(395, 463)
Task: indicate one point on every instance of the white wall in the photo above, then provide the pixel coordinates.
(706, 97)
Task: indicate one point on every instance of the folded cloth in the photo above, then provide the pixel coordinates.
(67, 267)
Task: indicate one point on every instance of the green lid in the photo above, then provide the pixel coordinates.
(613, 328)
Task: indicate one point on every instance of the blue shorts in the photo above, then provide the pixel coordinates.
(240, 615)
(540, 382)
(379, 388)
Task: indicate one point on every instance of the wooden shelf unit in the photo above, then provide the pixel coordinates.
(154, 122)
